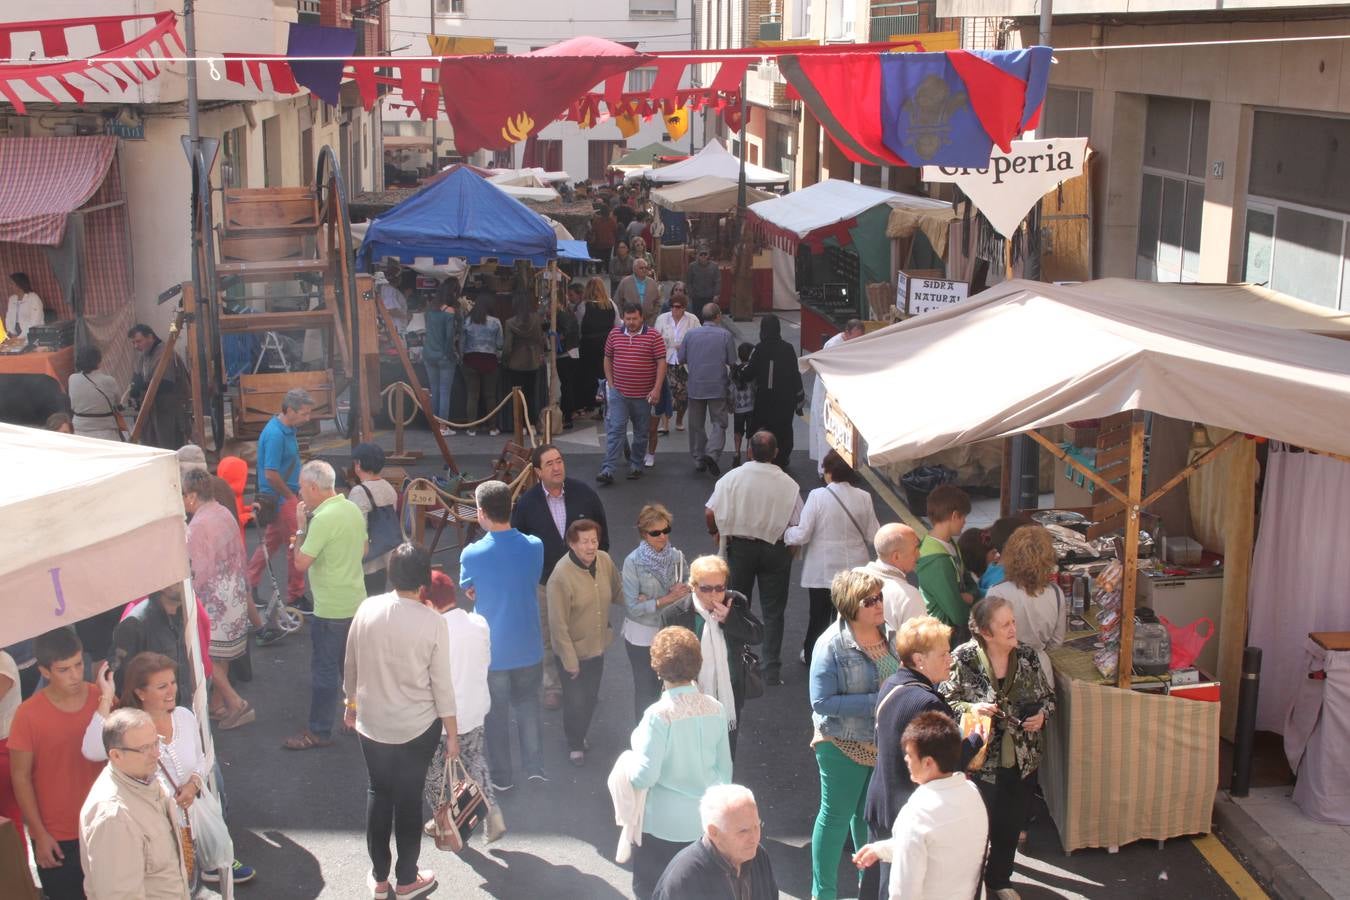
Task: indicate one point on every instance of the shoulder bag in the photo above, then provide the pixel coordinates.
(856, 527)
(382, 527)
(461, 807)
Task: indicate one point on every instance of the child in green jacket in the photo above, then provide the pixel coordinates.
(948, 589)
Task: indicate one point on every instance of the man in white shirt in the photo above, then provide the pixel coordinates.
(897, 549)
(749, 510)
(937, 848)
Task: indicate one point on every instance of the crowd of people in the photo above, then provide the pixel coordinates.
(929, 687)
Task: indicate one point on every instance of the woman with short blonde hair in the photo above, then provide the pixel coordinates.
(725, 625)
(654, 595)
(851, 659)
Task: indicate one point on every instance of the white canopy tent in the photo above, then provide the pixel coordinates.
(709, 194)
(714, 159)
(1193, 352)
(831, 201)
(89, 525)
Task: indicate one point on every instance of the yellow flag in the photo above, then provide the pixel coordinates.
(450, 45)
(677, 123)
(628, 125)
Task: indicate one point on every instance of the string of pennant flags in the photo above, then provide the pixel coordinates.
(881, 106)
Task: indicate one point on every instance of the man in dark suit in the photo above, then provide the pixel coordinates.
(545, 511)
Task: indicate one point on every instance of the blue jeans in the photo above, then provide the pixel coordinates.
(328, 654)
(619, 411)
(441, 380)
(516, 689)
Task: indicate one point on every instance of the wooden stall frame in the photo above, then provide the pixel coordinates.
(1135, 504)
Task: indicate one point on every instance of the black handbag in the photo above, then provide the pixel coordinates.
(754, 678)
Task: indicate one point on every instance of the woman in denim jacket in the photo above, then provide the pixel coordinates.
(850, 660)
(655, 595)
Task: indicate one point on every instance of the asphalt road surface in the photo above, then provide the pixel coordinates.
(298, 817)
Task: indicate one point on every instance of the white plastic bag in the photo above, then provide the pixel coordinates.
(210, 837)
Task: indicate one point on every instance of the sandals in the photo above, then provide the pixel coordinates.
(241, 716)
(306, 740)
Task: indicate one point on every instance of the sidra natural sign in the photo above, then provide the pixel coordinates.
(1009, 187)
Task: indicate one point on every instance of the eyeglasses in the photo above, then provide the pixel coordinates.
(869, 602)
(147, 749)
(658, 532)
(711, 588)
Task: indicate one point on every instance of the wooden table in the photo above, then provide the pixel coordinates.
(59, 364)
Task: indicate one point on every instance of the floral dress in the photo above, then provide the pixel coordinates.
(971, 681)
(216, 556)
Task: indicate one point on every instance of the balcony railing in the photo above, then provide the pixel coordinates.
(890, 19)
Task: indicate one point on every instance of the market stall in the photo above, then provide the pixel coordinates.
(62, 565)
(701, 209)
(835, 232)
(63, 222)
(714, 159)
(1234, 357)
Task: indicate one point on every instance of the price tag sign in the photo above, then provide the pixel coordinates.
(839, 431)
(928, 294)
(422, 497)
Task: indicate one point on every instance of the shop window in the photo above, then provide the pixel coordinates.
(651, 9)
(1067, 113)
(1172, 190)
(1302, 160)
(233, 172)
(641, 79)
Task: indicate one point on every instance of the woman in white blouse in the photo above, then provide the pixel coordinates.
(837, 525)
(151, 684)
(1038, 604)
(25, 307)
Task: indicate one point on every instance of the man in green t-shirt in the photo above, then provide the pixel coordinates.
(330, 543)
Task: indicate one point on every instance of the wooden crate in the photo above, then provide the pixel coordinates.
(259, 399)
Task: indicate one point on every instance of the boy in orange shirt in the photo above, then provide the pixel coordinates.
(51, 775)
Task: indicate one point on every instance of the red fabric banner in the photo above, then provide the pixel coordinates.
(112, 48)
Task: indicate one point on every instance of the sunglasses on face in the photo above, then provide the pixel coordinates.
(869, 602)
(711, 588)
(658, 532)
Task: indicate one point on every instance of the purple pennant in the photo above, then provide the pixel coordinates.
(323, 78)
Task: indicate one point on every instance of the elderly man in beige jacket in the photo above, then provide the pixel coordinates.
(129, 843)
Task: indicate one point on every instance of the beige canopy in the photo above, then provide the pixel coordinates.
(709, 194)
(1025, 355)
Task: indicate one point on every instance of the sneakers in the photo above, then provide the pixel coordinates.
(503, 788)
(426, 881)
(649, 460)
(242, 874)
(494, 432)
(577, 758)
(472, 432)
(713, 468)
(495, 826)
(270, 636)
(701, 465)
(634, 474)
(604, 478)
(537, 778)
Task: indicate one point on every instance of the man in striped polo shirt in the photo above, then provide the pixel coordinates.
(635, 369)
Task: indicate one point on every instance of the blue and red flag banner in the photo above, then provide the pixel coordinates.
(323, 78)
(946, 109)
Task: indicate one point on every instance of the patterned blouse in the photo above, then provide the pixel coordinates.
(971, 682)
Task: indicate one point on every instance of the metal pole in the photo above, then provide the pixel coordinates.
(1047, 7)
(1245, 730)
(740, 178)
(190, 35)
(435, 113)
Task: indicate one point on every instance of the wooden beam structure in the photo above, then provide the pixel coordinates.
(1058, 453)
(423, 397)
(1130, 580)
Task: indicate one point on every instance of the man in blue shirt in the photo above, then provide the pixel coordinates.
(498, 574)
(279, 482)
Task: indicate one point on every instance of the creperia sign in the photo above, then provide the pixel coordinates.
(1007, 189)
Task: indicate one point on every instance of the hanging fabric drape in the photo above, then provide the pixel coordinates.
(1300, 570)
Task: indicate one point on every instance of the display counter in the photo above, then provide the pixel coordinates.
(59, 364)
(1126, 765)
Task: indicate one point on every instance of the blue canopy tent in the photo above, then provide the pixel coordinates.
(459, 214)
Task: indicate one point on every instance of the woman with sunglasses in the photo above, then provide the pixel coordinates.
(150, 683)
(725, 625)
(655, 595)
(851, 659)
